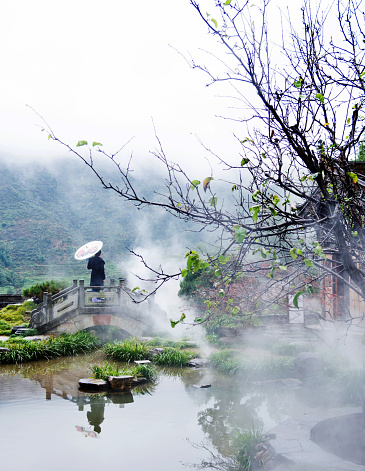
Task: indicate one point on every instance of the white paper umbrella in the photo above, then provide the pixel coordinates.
(88, 250)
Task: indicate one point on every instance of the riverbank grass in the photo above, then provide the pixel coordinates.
(131, 349)
(21, 350)
(234, 363)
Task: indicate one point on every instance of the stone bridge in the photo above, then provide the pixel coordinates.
(78, 307)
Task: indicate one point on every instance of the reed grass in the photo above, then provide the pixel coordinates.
(128, 350)
(21, 350)
(290, 349)
(230, 362)
(180, 344)
(138, 371)
(174, 357)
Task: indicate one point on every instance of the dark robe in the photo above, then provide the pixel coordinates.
(96, 265)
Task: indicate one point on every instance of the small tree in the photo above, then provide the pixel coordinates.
(297, 202)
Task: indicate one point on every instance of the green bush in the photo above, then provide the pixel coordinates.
(5, 327)
(13, 315)
(51, 287)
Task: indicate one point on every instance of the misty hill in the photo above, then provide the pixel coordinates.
(46, 213)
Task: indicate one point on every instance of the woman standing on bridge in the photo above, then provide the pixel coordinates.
(96, 265)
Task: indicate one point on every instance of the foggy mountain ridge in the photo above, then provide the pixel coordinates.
(48, 211)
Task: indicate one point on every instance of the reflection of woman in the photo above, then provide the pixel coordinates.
(96, 265)
(96, 415)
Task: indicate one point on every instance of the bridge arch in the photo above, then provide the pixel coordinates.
(81, 322)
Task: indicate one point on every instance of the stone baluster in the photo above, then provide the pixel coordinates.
(81, 293)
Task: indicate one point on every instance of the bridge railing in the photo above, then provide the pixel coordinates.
(77, 296)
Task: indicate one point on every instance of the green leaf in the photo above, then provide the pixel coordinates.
(215, 22)
(135, 289)
(272, 271)
(263, 253)
(299, 252)
(221, 293)
(49, 136)
(303, 178)
(240, 234)
(353, 176)
(174, 323)
(275, 257)
(320, 97)
(213, 201)
(255, 211)
(222, 259)
(308, 262)
(227, 2)
(293, 253)
(218, 272)
(275, 199)
(234, 187)
(298, 83)
(198, 319)
(273, 211)
(244, 161)
(296, 298)
(255, 195)
(184, 272)
(310, 289)
(194, 184)
(81, 143)
(283, 267)
(206, 183)
(97, 144)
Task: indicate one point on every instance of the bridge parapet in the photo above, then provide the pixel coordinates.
(79, 306)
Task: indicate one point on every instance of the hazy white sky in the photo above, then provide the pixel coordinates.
(102, 71)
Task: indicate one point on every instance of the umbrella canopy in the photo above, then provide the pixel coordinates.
(88, 250)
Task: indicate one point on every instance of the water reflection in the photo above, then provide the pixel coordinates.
(160, 415)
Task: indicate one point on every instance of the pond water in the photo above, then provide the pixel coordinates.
(48, 423)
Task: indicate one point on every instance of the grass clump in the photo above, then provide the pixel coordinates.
(64, 345)
(180, 344)
(174, 357)
(248, 444)
(137, 371)
(290, 349)
(128, 350)
(230, 362)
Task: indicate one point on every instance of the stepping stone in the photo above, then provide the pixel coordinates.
(120, 382)
(94, 384)
(142, 362)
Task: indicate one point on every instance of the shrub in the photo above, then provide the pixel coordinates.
(51, 287)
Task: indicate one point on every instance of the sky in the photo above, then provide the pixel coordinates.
(103, 72)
